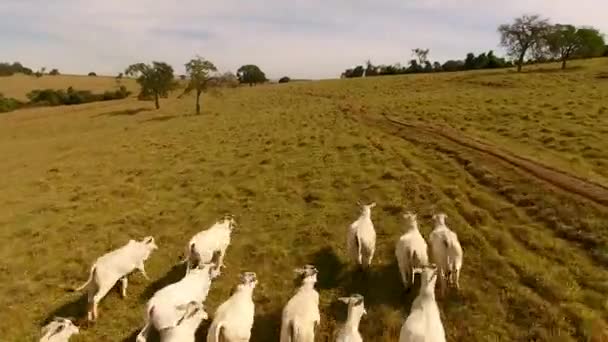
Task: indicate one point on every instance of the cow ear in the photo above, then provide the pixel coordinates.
(148, 240)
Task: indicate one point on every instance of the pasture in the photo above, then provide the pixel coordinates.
(517, 161)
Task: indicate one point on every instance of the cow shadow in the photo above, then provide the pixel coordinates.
(75, 310)
(330, 268)
(380, 285)
(176, 273)
(267, 326)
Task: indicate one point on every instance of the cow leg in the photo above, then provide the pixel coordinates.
(123, 286)
(102, 291)
(142, 269)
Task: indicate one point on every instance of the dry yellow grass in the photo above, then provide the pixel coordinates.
(290, 161)
(17, 86)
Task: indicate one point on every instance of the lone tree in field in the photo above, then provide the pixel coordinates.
(118, 79)
(198, 70)
(421, 54)
(155, 80)
(566, 41)
(250, 74)
(40, 72)
(525, 34)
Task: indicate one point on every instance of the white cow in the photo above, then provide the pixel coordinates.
(361, 239)
(446, 252)
(234, 318)
(410, 250)
(184, 330)
(301, 315)
(349, 332)
(58, 330)
(424, 322)
(113, 266)
(161, 308)
(204, 245)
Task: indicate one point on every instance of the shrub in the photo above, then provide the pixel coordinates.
(50, 97)
(284, 79)
(54, 72)
(8, 104)
(92, 74)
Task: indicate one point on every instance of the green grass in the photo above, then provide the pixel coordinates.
(290, 161)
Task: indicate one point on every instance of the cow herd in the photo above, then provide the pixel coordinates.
(177, 310)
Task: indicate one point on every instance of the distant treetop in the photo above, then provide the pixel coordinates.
(251, 74)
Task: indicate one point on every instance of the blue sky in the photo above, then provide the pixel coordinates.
(298, 38)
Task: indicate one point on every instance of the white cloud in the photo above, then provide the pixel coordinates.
(299, 38)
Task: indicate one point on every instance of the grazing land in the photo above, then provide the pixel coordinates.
(517, 161)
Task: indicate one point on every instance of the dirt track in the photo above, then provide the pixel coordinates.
(558, 178)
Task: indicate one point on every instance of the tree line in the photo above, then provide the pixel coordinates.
(421, 64)
(52, 97)
(529, 39)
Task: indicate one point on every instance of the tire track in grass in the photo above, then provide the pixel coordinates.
(592, 191)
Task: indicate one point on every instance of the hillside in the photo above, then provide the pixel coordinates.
(18, 85)
(517, 161)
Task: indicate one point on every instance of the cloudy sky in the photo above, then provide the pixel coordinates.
(298, 38)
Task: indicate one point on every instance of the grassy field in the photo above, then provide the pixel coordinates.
(290, 161)
(17, 86)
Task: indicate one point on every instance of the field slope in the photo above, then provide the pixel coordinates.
(517, 161)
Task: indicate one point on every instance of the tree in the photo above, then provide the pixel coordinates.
(566, 41)
(118, 79)
(284, 79)
(155, 80)
(452, 65)
(428, 67)
(7, 69)
(524, 34)
(437, 67)
(593, 42)
(251, 74)
(198, 70)
(421, 54)
(469, 62)
(495, 62)
(54, 72)
(481, 61)
(370, 69)
(414, 67)
(92, 74)
(40, 72)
